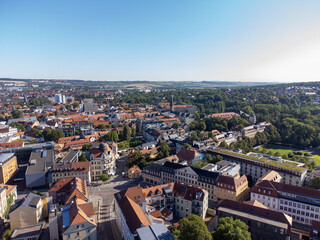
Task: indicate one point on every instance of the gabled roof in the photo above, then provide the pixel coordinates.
(71, 187)
(276, 187)
(232, 181)
(77, 212)
(133, 213)
(187, 154)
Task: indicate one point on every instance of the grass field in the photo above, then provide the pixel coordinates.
(285, 150)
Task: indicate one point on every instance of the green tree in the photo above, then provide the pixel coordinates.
(16, 113)
(75, 105)
(114, 136)
(7, 235)
(174, 231)
(20, 126)
(314, 183)
(229, 229)
(101, 126)
(187, 146)
(137, 159)
(86, 147)
(223, 144)
(133, 132)
(208, 158)
(104, 177)
(83, 158)
(163, 150)
(175, 125)
(123, 145)
(193, 227)
(126, 133)
(247, 110)
(56, 134)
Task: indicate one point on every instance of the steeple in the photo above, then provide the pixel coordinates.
(171, 104)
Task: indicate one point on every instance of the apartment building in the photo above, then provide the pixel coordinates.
(6, 192)
(138, 207)
(226, 115)
(256, 167)
(30, 212)
(301, 203)
(3, 202)
(263, 223)
(66, 188)
(72, 169)
(8, 167)
(174, 172)
(78, 221)
(102, 161)
(15, 144)
(232, 188)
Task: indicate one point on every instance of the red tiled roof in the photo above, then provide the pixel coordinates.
(271, 189)
(187, 154)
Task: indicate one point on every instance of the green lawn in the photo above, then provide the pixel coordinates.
(316, 159)
(285, 150)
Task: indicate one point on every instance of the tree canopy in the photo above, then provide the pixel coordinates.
(229, 229)
(193, 227)
(314, 183)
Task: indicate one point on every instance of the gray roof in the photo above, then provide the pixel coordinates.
(34, 201)
(43, 161)
(29, 231)
(5, 156)
(72, 156)
(154, 232)
(27, 119)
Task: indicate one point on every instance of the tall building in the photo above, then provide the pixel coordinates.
(60, 98)
(171, 104)
(8, 167)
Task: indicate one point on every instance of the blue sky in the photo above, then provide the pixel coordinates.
(245, 40)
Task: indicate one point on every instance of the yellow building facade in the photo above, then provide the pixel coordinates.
(8, 167)
(232, 188)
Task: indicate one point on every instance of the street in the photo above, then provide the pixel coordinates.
(107, 227)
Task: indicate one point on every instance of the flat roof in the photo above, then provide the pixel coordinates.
(43, 160)
(5, 156)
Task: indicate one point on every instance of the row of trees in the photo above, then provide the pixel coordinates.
(48, 134)
(193, 227)
(124, 135)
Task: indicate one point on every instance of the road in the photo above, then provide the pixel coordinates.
(107, 227)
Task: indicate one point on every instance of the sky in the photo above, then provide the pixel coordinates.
(161, 40)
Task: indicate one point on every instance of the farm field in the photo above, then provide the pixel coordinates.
(286, 150)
